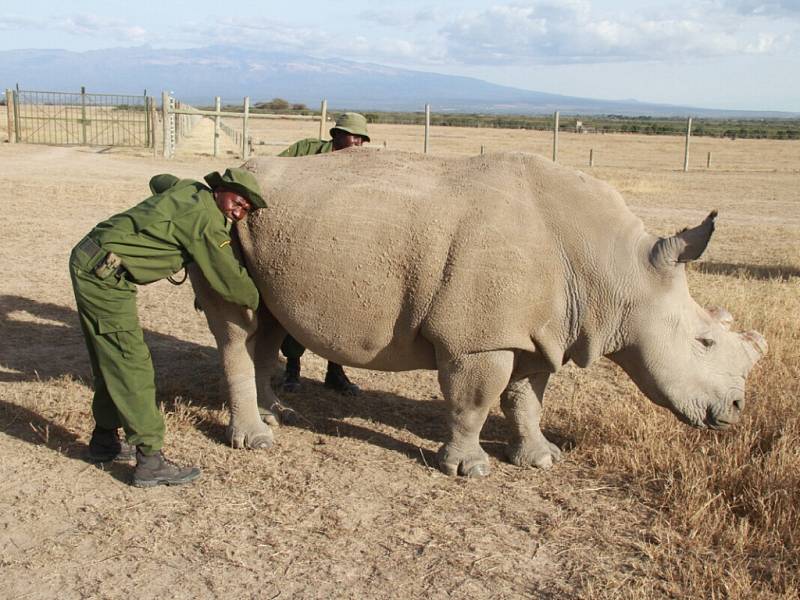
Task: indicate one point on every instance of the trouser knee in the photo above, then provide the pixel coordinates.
(291, 348)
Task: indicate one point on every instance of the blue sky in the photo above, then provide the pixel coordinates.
(738, 54)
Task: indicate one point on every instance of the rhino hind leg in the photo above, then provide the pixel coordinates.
(470, 385)
(522, 405)
(268, 367)
(235, 330)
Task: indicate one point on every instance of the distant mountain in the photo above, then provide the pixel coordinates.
(197, 75)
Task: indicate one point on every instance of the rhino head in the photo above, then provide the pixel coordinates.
(682, 356)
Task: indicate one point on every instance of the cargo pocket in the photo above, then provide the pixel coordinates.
(125, 334)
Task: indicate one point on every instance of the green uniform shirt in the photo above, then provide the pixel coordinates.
(162, 234)
(308, 146)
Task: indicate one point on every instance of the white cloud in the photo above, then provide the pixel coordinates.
(100, 26)
(84, 25)
(773, 8)
(273, 35)
(545, 33)
(17, 23)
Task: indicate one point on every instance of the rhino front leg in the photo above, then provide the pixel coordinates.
(235, 328)
(470, 385)
(522, 404)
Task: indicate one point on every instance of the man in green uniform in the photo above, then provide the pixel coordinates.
(184, 221)
(350, 130)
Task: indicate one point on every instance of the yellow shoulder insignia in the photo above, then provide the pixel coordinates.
(225, 243)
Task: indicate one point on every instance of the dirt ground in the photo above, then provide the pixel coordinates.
(347, 504)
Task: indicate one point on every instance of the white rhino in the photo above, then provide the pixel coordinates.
(495, 270)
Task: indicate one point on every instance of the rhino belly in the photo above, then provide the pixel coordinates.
(357, 295)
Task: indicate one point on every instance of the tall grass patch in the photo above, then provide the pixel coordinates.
(726, 520)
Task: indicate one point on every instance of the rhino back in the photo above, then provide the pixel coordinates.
(381, 259)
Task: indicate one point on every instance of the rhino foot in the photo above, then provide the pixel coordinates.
(268, 416)
(541, 454)
(255, 436)
(456, 461)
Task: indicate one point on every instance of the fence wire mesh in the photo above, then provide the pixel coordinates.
(66, 118)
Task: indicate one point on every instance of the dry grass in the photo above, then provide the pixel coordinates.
(345, 505)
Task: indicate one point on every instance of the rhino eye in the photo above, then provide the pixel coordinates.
(707, 342)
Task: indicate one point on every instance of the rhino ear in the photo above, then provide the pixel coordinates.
(684, 246)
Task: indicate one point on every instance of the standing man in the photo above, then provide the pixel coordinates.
(184, 221)
(350, 130)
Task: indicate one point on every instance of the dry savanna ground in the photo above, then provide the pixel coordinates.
(347, 504)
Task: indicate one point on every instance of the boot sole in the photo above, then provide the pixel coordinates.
(148, 483)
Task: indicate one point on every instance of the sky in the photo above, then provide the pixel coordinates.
(728, 54)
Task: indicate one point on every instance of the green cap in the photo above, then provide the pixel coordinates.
(240, 181)
(352, 123)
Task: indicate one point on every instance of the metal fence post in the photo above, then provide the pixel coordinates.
(165, 122)
(9, 116)
(245, 149)
(323, 117)
(555, 136)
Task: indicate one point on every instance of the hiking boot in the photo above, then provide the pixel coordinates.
(105, 446)
(291, 380)
(156, 470)
(336, 380)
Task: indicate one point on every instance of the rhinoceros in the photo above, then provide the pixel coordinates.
(494, 270)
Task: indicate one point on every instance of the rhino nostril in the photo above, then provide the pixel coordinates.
(738, 405)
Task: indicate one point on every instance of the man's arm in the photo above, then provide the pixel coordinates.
(306, 147)
(209, 244)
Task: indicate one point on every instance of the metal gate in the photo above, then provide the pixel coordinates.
(67, 119)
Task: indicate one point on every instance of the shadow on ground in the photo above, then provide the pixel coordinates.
(50, 345)
(760, 272)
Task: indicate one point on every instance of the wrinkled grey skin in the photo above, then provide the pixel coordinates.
(495, 271)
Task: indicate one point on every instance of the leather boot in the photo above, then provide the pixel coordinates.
(155, 470)
(291, 380)
(106, 446)
(336, 380)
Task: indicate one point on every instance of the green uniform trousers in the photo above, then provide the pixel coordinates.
(124, 380)
(291, 348)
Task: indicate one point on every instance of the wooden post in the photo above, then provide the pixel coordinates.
(427, 127)
(686, 150)
(481, 149)
(245, 148)
(10, 115)
(17, 110)
(165, 122)
(591, 157)
(323, 117)
(216, 125)
(555, 136)
(153, 124)
(708, 161)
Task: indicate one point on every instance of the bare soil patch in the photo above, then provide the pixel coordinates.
(347, 504)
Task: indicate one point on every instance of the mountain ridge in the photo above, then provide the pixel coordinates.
(196, 75)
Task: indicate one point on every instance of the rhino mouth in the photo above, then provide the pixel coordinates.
(714, 421)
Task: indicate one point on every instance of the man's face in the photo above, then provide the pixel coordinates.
(343, 139)
(232, 205)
